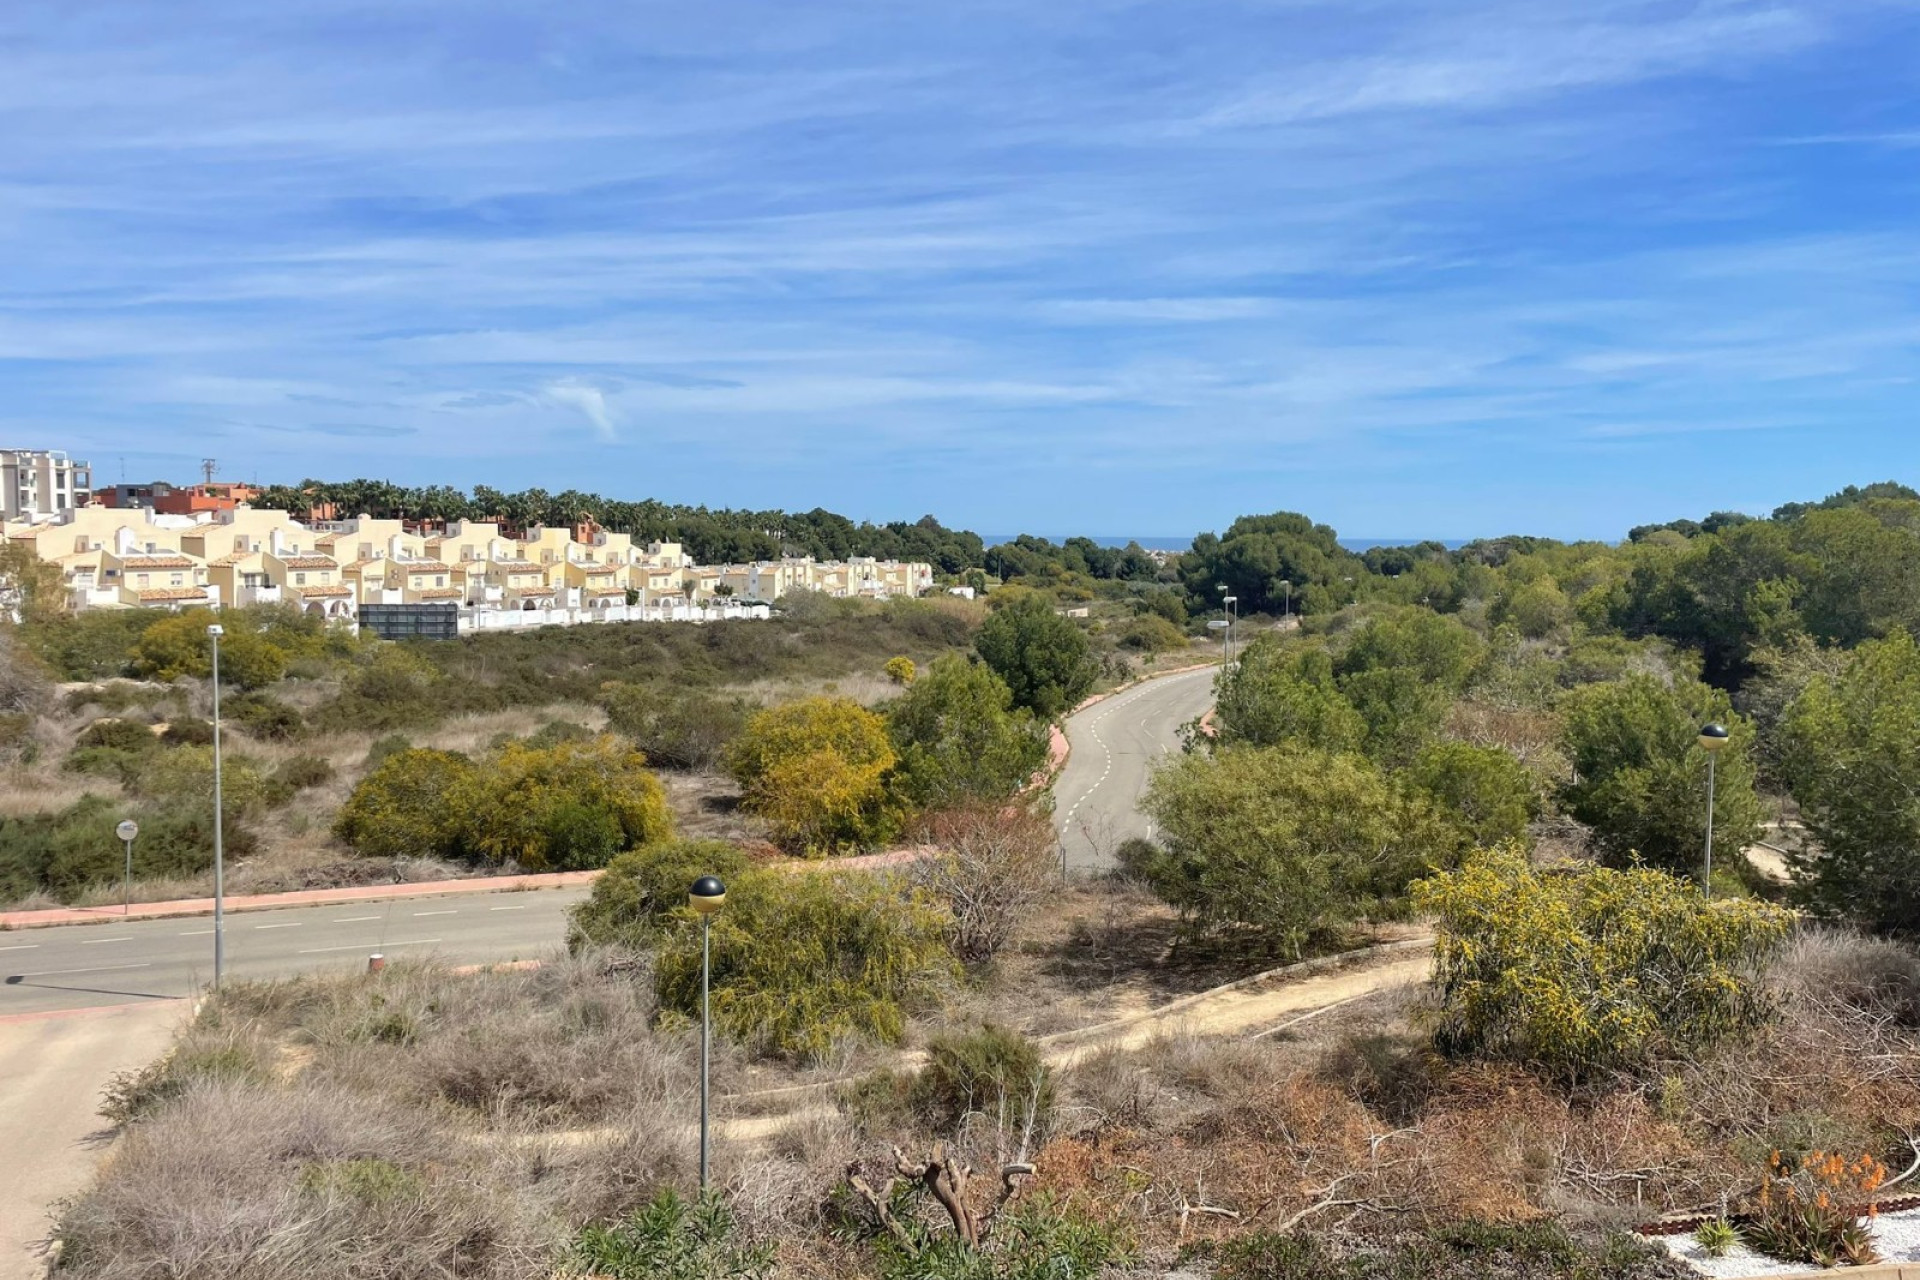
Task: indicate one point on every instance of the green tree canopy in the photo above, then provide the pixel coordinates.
(1285, 847)
(1043, 657)
(958, 736)
(1490, 793)
(1280, 694)
(803, 960)
(1641, 776)
(1258, 554)
(1851, 751)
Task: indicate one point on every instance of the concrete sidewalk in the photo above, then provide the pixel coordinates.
(380, 892)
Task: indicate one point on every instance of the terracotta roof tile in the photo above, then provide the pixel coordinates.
(157, 562)
(422, 566)
(442, 593)
(323, 591)
(310, 562)
(173, 593)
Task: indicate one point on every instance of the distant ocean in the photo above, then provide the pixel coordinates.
(1181, 544)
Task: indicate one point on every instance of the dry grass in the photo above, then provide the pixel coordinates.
(412, 1123)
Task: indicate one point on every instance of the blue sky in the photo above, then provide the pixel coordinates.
(1417, 267)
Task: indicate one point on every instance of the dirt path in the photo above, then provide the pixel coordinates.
(1249, 1005)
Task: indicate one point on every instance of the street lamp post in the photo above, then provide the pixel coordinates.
(214, 633)
(127, 830)
(1286, 600)
(706, 897)
(1713, 738)
(1233, 616)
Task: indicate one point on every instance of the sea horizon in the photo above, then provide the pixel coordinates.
(1166, 543)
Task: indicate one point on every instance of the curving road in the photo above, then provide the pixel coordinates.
(1115, 745)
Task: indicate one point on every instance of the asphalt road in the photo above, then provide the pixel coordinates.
(89, 965)
(1115, 744)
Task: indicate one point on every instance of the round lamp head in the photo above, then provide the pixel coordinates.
(216, 631)
(707, 895)
(1713, 737)
(127, 829)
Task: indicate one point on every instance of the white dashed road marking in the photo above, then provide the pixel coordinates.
(365, 946)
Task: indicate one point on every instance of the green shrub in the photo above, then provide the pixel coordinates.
(801, 961)
(259, 716)
(393, 688)
(990, 1070)
(385, 748)
(1281, 695)
(670, 1239)
(1043, 657)
(1151, 633)
(184, 776)
(1641, 778)
(1282, 850)
(118, 735)
(406, 807)
(1592, 971)
(94, 644)
(1037, 1240)
(643, 891)
(1485, 789)
(188, 731)
(569, 807)
(676, 728)
(298, 773)
(111, 763)
(555, 732)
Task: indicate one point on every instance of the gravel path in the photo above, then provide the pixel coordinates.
(1897, 1234)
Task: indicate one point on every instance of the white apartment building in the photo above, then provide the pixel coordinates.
(117, 557)
(41, 482)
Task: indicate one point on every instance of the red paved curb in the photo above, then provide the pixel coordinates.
(91, 1011)
(298, 898)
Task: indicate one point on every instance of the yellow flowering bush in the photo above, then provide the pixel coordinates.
(1590, 971)
(816, 770)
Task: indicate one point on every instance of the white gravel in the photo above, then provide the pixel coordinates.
(1896, 1235)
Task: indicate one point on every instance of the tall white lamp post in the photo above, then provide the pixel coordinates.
(1713, 739)
(127, 830)
(214, 633)
(706, 897)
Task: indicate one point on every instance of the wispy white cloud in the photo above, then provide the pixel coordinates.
(1366, 240)
(588, 400)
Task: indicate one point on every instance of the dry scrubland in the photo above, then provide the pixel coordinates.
(340, 709)
(424, 1123)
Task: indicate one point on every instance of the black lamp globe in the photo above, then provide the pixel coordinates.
(707, 895)
(1713, 737)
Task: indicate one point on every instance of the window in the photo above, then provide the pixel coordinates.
(440, 580)
(140, 581)
(299, 579)
(176, 580)
(240, 543)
